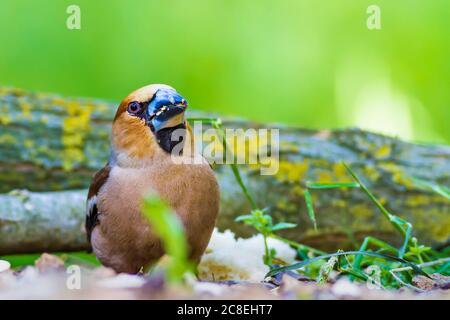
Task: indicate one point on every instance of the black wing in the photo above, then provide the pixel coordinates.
(91, 208)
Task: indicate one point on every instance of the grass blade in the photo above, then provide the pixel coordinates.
(283, 225)
(441, 190)
(402, 250)
(369, 194)
(299, 265)
(217, 124)
(397, 222)
(310, 208)
(297, 245)
(374, 241)
(332, 185)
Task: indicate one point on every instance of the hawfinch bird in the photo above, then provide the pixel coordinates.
(148, 128)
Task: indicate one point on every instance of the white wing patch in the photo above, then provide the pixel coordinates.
(90, 205)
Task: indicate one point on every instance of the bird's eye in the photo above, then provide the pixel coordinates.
(134, 107)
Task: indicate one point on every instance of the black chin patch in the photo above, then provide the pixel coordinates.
(164, 138)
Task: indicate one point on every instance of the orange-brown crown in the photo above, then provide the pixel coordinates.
(137, 116)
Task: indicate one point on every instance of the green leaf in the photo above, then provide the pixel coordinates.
(283, 225)
(332, 185)
(266, 219)
(245, 217)
(169, 228)
(310, 208)
(299, 265)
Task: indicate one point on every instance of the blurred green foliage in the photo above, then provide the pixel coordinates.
(81, 258)
(308, 63)
(170, 229)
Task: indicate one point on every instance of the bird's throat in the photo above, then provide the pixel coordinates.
(172, 139)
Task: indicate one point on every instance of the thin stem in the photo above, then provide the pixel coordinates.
(404, 283)
(375, 200)
(266, 249)
(356, 274)
(402, 250)
(216, 123)
(298, 245)
(218, 126)
(393, 219)
(423, 265)
(209, 121)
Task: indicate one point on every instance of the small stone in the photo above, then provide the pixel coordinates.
(438, 281)
(48, 262)
(122, 281)
(29, 274)
(345, 288)
(209, 288)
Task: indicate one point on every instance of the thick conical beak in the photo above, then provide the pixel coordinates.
(166, 110)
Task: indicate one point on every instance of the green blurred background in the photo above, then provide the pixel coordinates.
(307, 63)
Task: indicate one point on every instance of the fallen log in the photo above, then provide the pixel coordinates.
(50, 144)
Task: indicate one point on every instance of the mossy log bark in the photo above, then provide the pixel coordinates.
(50, 144)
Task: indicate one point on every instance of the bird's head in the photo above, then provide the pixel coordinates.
(145, 120)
